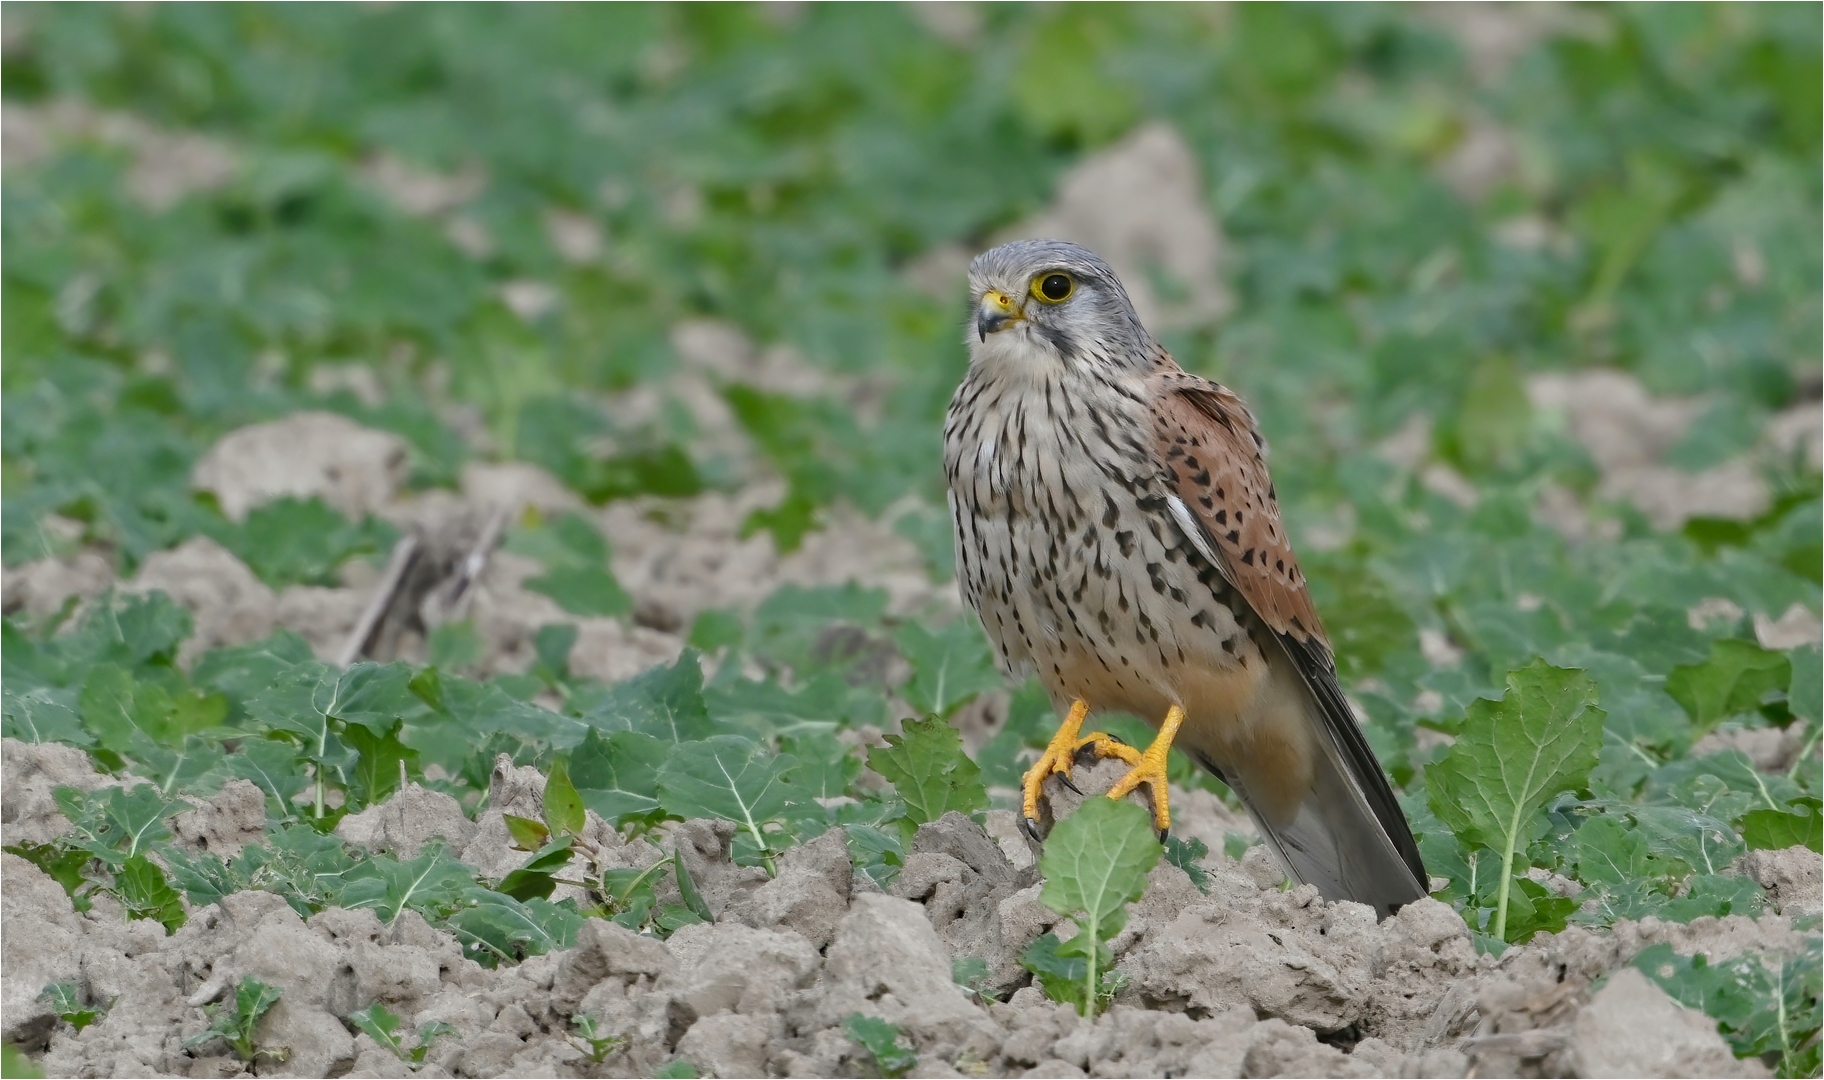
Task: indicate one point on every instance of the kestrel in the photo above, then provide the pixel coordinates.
(1118, 535)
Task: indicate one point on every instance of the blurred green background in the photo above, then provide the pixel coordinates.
(499, 213)
(1652, 205)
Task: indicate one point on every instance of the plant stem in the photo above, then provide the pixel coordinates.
(634, 885)
(1091, 999)
(1507, 878)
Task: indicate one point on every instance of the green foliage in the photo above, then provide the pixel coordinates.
(1187, 855)
(382, 1026)
(949, 666)
(592, 1039)
(141, 888)
(429, 884)
(1801, 825)
(971, 973)
(1734, 679)
(731, 778)
(1658, 224)
(66, 1000)
(1094, 864)
(15, 1062)
(563, 806)
(927, 766)
(576, 565)
(292, 541)
(234, 1022)
(618, 776)
(1763, 1005)
(881, 1040)
(1541, 738)
(114, 828)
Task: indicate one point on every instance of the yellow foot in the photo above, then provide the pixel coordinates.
(1150, 769)
(1061, 754)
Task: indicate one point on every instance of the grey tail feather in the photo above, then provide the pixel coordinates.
(1350, 837)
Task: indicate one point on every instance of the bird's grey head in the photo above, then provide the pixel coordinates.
(1052, 299)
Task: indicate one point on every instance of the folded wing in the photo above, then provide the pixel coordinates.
(1347, 835)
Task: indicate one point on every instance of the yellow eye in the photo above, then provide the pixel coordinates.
(1053, 288)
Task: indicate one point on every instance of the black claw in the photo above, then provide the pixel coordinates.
(1165, 834)
(1031, 828)
(1067, 782)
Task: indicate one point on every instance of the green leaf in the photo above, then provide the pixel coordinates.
(129, 630)
(495, 928)
(687, 888)
(1803, 693)
(665, 702)
(1533, 909)
(1187, 855)
(552, 644)
(381, 1025)
(563, 806)
(676, 1070)
(235, 1021)
(949, 667)
(1715, 896)
(15, 1062)
(119, 823)
(116, 708)
(727, 777)
(1064, 978)
(66, 1001)
(428, 1033)
(1095, 863)
(1541, 738)
(1610, 852)
(1733, 679)
(479, 710)
(528, 835)
(1762, 1005)
(814, 630)
(877, 852)
(41, 715)
(273, 764)
(1066, 50)
(455, 646)
(618, 775)
(427, 884)
(971, 973)
(826, 767)
(293, 541)
(882, 1042)
(583, 590)
(538, 877)
(314, 701)
(376, 772)
(592, 1039)
(927, 766)
(576, 566)
(1803, 825)
(243, 671)
(61, 863)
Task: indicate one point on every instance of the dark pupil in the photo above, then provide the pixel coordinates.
(1055, 287)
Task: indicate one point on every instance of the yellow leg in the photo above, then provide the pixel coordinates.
(1062, 751)
(1150, 769)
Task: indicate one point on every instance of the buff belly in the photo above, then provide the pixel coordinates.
(1128, 618)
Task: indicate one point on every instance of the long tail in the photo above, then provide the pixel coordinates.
(1348, 835)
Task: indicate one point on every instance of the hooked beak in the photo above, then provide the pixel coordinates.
(995, 313)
